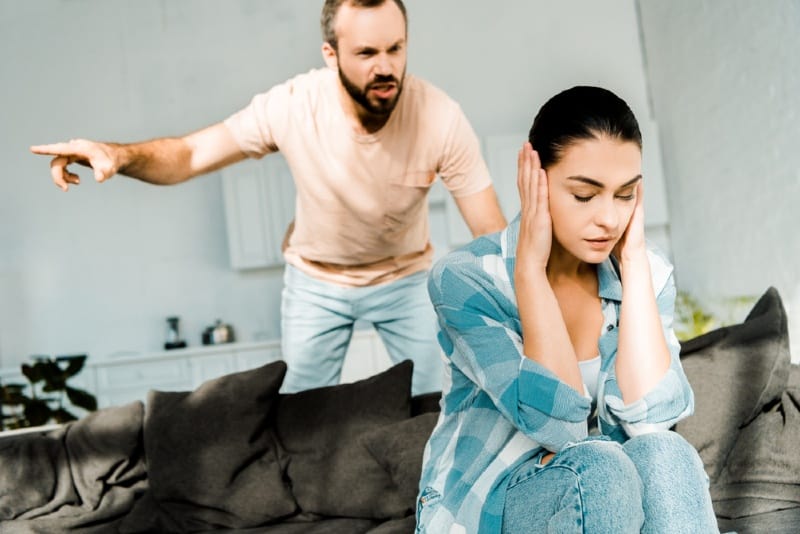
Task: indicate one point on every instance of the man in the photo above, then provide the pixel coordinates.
(364, 143)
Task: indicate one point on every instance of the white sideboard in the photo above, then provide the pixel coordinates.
(122, 379)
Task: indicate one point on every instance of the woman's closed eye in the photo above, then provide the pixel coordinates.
(629, 193)
(621, 196)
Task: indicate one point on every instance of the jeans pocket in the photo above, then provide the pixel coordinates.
(427, 499)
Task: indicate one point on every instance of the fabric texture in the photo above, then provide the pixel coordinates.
(363, 219)
(330, 470)
(398, 449)
(81, 477)
(653, 484)
(736, 371)
(506, 406)
(317, 320)
(212, 459)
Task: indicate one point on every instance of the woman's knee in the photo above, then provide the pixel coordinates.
(605, 464)
(661, 453)
(610, 486)
(666, 445)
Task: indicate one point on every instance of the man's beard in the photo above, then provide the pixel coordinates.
(381, 107)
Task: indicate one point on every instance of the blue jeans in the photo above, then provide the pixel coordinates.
(654, 483)
(317, 322)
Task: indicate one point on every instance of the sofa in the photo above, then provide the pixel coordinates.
(235, 455)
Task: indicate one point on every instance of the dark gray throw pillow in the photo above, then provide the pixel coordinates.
(211, 456)
(398, 448)
(735, 372)
(763, 469)
(331, 471)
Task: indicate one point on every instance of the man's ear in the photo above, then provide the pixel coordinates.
(329, 55)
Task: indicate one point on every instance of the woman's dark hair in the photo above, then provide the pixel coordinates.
(579, 113)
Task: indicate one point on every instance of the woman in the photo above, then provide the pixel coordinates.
(561, 320)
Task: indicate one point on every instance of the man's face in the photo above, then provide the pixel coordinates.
(371, 55)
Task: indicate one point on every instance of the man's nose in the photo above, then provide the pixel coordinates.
(383, 65)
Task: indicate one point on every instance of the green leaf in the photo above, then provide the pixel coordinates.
(14, 398)
(37, 412)
(63, 416)
(82, 399)
(54, 377)
(75, 364)
(32, 373)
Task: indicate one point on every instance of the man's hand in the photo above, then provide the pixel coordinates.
(99, 156)
(632, 245)
(536, 226)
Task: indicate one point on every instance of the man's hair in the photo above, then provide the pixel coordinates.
(331, 8)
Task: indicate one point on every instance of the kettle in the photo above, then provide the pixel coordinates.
(218, 333)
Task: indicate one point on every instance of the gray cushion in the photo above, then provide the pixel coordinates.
(331, 471)
(779, 522)
(212, 458)
(399, 448)
(735, 372)
(763, 469)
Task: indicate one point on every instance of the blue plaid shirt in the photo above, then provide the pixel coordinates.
(500, 408)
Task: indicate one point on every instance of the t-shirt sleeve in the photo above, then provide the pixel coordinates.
(462, 168)
(258, 126)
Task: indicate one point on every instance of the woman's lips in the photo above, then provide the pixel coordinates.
(600, 243)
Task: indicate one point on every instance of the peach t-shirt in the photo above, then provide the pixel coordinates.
(361, 214)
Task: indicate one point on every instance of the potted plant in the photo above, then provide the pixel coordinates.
(47, 397)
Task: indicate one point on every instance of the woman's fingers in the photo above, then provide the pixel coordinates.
(528, 168)
(542, 194)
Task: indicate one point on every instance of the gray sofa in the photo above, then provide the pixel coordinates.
(237, 456)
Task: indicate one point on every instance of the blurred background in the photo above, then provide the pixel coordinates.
(97, 270)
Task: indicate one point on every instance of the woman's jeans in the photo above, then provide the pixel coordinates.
(654, 483)
(317, 321)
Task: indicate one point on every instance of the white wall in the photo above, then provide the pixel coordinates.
(725, 83)
(98, 269)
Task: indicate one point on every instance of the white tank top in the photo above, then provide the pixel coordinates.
(590, 370)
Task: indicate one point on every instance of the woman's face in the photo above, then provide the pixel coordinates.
(592, 195)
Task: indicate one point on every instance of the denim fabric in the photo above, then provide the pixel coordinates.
(317, 321)
(653, 483)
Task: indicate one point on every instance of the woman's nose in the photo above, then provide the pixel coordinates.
(606, 215)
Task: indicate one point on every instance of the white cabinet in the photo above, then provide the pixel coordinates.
(259, 198)
(119, 381)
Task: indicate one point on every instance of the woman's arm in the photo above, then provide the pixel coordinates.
(642, 353)
(544, 333)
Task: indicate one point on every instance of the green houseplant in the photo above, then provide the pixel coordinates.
(47, 396)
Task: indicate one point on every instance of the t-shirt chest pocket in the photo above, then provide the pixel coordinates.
(404, 197)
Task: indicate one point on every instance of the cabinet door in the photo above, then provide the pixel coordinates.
(122, 383)
(205, 368)
(252, 357)
(259, 200)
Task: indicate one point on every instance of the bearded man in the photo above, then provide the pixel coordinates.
(364, 142)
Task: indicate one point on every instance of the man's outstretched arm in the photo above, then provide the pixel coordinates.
(163, 161)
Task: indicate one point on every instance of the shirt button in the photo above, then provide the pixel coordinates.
(610, 327)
